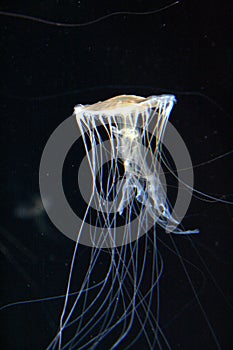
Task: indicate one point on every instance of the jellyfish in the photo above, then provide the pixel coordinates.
(119, 271)
(126, 201)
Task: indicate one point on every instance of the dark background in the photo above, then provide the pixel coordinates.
(45, 71)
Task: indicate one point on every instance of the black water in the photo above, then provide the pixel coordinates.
(45, 71)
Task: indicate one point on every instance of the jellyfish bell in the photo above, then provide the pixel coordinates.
(128, 110)
(126, 103)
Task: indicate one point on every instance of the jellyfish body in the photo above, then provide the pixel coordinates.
(116, 308)
(128, 118)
